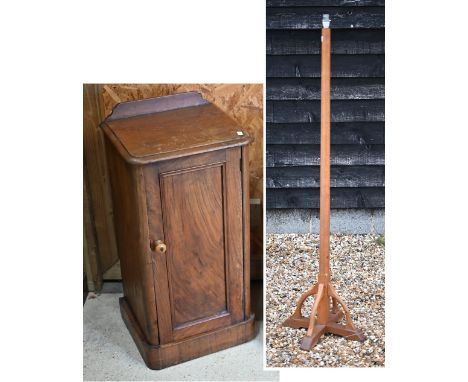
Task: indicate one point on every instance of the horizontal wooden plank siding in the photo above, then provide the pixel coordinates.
(309, 88)
(311, 17)
(322, 3)
(293, 69)
(356, 65)
(372, 197)
(340, 176)
(344, 41)
(309, 155)
(361, 133)
(309, 111)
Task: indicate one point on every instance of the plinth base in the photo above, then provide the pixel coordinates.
(161, 356)
(317, 327)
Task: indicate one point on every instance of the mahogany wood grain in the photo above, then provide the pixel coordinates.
(155, 105)
(246, 227)
(235, 234)
(198, 193)
(171, 134)
(182, 228)
(203, 277)
(131, 231)
(158, 259)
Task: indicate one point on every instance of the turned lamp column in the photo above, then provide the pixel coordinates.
(325, 313)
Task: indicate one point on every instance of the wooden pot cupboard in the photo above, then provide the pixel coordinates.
(179, 175)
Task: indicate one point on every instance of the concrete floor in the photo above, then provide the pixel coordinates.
(109, 352)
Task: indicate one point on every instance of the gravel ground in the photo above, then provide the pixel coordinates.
(357, 271)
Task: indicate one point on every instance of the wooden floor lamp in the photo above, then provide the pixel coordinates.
(325, 313)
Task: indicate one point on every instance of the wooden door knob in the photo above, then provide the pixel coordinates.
(158, 245)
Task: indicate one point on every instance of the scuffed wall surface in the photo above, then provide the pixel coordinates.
(243, 102)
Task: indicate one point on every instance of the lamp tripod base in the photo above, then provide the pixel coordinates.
(324, 317)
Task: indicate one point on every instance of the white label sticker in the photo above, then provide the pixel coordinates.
(240, 133)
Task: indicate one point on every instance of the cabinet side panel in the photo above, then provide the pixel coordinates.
(246, 227)
(131, 230)
(235, 233)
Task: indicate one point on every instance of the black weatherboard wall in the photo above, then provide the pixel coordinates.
(293, 103)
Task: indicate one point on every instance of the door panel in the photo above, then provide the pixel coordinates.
(192, 204)
(201, 205)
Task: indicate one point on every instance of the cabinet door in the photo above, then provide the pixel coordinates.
(199, 279)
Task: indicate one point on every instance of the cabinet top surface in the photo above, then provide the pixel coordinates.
(169, 127)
